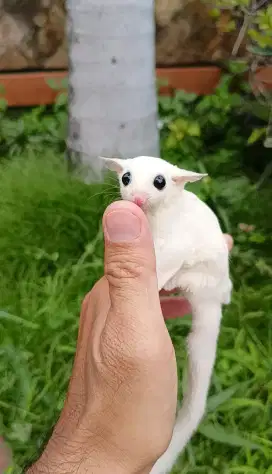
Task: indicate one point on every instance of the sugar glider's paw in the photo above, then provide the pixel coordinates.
(169, 286)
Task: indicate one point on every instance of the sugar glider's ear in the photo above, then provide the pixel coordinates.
(113, 164)
(185, 176)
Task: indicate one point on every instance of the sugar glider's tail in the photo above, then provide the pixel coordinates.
(202, 344)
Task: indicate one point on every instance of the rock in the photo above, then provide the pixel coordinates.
(33, 34)
(165, 11)
(12, 34)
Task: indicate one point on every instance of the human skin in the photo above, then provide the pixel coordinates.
(5, 456)
(120, 408)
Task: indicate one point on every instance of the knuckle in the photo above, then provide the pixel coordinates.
(121, 267)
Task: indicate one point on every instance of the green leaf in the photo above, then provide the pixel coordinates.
(242, 470)
(186, 97)
(214, 12)
(259, 51)
(65, 83)
(238, 66)
(181, 124)
(171, 141)
(17, 320)
(257, 238)
(55, 85)
(61, 99)
(214, 118)
(3, 104)
(255, 108)
(219, 434)
(165, 102)
(162, 82)
(268, 142)
(21, 432)
(263, 267)
(256, 134)
(243, 403)
(194, 130)
(230, 26)
(180, 136)
(224, 217)
(216, 400)
(261, 39)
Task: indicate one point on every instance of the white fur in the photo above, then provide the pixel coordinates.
(192, 255)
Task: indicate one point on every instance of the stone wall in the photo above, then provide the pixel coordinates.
(32, 34)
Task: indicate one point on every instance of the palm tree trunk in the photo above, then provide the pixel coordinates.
(112, 93)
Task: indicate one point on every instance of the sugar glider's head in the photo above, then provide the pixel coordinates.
(148, 181)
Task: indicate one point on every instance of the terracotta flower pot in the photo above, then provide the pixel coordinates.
(24, 89)
(263, 76)
(199, 80)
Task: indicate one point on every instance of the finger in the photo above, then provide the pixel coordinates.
(174, 307)
(5, 456)
(229, 241)
(130, 265)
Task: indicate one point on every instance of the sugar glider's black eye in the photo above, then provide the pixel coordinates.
(126, 178)
(159, 182)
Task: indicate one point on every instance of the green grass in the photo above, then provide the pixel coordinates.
(51, 254)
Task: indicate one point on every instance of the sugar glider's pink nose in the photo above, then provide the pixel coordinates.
(140, 199)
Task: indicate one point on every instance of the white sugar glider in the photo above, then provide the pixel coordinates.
(191, 255)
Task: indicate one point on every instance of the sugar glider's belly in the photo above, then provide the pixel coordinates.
(204, 280)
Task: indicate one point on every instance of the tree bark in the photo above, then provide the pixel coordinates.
(112, 88)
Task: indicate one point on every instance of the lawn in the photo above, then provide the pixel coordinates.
(51, 254)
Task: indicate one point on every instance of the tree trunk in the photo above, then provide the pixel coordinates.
(112, 88)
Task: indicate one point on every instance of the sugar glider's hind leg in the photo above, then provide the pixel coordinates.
(201, 343)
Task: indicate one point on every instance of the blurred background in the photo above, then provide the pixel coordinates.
(190, 80)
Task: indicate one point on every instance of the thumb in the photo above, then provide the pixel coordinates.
(130, 265)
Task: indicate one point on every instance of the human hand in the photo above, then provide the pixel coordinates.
(5, 456)
(120, 409)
